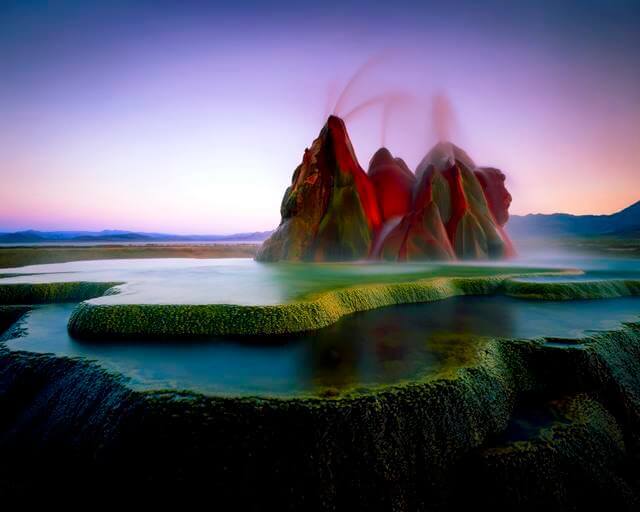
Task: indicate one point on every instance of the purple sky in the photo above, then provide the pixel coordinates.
(159, 117)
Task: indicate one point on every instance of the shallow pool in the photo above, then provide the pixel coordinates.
(361, 350)
(233, 280)
(246, 282)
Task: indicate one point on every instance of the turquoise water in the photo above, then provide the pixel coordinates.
(593, 268)
(244, 281)
(361, 350)
(230, 281)
(206, 281)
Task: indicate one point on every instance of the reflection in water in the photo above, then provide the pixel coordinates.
(400, 342)
(365, 349)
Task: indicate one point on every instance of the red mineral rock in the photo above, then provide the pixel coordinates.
(421, 234)
(393, 183)
(492, 182)
(471, 227)
(330, 211)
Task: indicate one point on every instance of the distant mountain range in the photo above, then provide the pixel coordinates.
(625, 223)
(32, 236)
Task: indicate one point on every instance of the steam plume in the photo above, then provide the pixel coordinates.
(362, 70)
(442, 117)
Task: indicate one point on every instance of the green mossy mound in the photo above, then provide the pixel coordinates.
(343, 234)
(603, 289)
(330, 211)
(47, 293)
(90, 320)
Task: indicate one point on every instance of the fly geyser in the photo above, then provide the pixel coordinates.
(331, 210)
(334, 211)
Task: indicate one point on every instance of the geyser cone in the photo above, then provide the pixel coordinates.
(442, 156)
(472, 225)
(393, 183)
(334, 211)
(330, 211)
(421, 234)
(492, 181)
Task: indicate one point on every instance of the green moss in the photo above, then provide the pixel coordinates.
(315, 311)
(573, 290)
(46, 293)
(343, 233)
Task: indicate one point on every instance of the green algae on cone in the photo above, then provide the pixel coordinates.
(475, 203)
(330, 211)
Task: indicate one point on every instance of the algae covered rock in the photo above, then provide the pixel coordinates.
(472, 227)
(330, 211)
(421, 233)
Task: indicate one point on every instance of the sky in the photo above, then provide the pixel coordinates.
(190, 117)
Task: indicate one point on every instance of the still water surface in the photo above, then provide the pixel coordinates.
(244, 281)
(361, 350)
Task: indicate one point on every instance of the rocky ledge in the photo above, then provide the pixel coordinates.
(526, 424)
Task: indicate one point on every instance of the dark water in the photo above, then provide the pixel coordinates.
(375, 347)
(529, 419)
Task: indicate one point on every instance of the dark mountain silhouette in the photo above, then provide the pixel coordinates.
(625, 223)
(32, 236)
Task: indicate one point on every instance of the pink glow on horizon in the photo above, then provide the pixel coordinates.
(205, 140)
